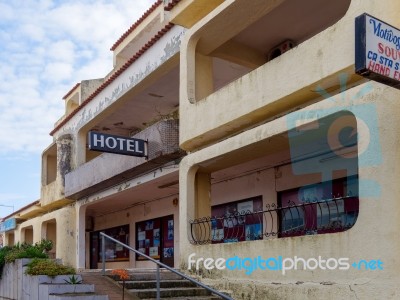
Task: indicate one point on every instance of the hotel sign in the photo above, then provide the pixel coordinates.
(377, 50)
(7, 225)
(117, 144)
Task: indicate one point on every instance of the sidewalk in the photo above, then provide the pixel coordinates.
(105, 286)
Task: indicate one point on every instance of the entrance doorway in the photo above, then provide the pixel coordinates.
(155, 238)
(113, 252)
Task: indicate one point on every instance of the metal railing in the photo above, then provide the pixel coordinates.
(158, 264)
(309, 217)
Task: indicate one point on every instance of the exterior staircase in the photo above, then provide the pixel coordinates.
(105, 285)
(142, 284)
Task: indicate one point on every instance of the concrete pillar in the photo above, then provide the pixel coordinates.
(202, 203)
(80, 148)
(203, 76)
(80, 236)
(187, 207)
(64, 156)
(203, 195)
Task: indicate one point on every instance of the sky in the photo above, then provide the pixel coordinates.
(46, 47)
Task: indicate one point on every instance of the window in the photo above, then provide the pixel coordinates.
(155, 238)
(237, 221)
(114, 251)
(313, 209)
(319, 208)
(148, 238)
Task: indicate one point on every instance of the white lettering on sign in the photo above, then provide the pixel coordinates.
(137, 147)
(117, 144)
(130, 145)
(98, 139)
(111, 142)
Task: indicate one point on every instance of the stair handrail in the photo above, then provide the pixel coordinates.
(159, 264)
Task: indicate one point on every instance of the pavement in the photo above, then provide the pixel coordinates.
(106, 286)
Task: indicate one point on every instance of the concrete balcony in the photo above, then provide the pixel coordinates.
(270, 89)
(188, 12)
(108, 170)
(51, 192)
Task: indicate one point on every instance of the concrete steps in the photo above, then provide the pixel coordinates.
(170, 292)
(142, 284)
(105, 285)
(152, 284)
(190, 298)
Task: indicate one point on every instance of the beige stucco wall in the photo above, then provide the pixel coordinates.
(373, 236)
(65, 232)
(261, 95)
(260, 183)
(247, 112)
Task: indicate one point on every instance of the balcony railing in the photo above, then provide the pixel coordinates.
(307, 218)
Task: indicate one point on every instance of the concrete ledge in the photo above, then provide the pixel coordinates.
(33, 286)
(78, 297)
(45, 290)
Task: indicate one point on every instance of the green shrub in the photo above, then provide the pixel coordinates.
(3, 253)
(48, 267)
(10, 254)
(25, 252)
(45, 245)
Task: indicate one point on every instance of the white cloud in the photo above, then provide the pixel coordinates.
(48, 46)
(57, 71)
(7, 12)
(63, 50)
(32, 32)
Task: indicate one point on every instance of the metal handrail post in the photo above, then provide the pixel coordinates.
(103, 254)
(160, 264)
(158, 282)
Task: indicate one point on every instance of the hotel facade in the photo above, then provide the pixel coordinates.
(270, 138)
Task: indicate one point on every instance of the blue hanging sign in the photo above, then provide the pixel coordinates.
(377, 50)
(7, 225)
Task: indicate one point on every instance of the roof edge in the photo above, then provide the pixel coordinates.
(171, 5)
(71, 90)
(136, 24)
(136, 56)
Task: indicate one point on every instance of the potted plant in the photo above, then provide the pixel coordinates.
(123, 275)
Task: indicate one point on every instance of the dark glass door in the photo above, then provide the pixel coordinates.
(94, 250)
(155, 238)
(167, 241)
